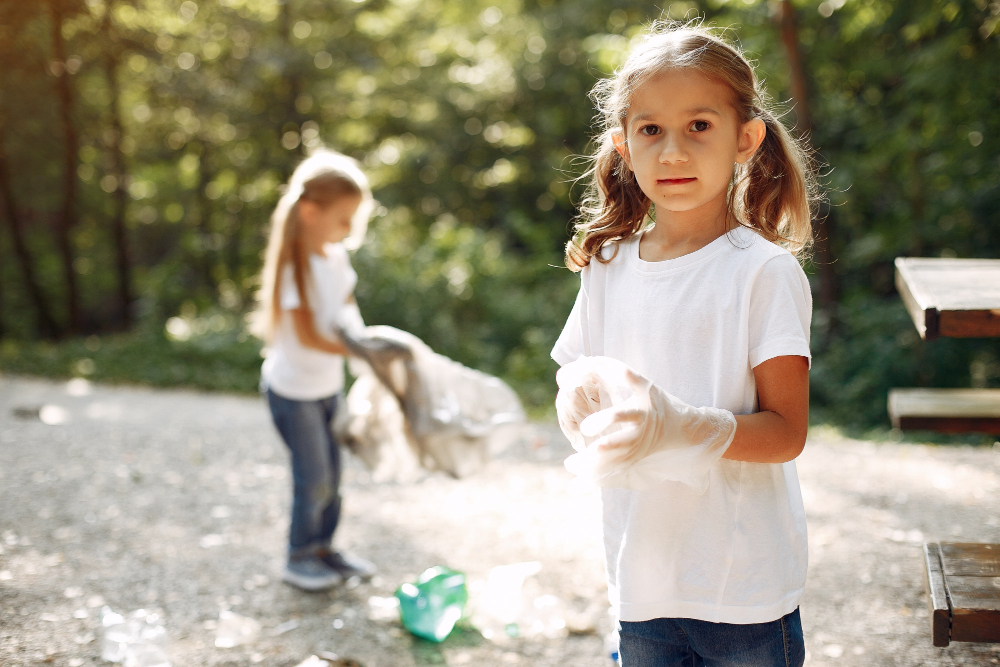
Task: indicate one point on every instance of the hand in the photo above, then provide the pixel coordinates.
(584, 389)
(650, 437)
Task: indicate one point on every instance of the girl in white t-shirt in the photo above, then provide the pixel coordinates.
(685, 361)
(307, 290)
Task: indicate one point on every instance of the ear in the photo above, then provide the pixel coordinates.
(308, 212)
(618, 139)
(751, 137)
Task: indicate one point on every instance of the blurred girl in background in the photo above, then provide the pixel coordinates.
(307, 290)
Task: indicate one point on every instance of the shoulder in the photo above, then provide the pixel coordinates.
(335, 253)
(614, 253)
(755, 253)
(608, 260)
(334, 258)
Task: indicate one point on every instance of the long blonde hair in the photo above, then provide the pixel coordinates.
(322, 178)
(773, 193)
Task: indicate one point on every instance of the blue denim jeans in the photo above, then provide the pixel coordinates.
(305, 428)
(684, 642)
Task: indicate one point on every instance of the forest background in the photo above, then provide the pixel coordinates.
(143, 143)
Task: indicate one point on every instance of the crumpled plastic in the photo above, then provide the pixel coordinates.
(412, 408)
(639, 435)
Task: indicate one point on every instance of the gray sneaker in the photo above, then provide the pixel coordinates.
(310, 574)
(348, 565)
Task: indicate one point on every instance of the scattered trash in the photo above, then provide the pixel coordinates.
(383, 609)
(328, 659)
(53, 415)
(287, 626)
(235, 630)
(47, 414)
(499, 609)
(431, 607)
(314, 661)
(139, 641)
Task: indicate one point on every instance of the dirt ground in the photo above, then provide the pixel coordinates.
(177, 501)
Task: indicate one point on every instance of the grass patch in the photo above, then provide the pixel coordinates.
(215, 362)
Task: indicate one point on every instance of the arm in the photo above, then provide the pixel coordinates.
(308, 336)
(778, 432)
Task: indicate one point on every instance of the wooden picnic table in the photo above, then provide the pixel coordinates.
(957, 298)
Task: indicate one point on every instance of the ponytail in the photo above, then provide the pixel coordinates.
(773, 192)
(321, 178)
(613, 209)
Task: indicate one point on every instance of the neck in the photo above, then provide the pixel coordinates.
(312, 244)
(679, 233)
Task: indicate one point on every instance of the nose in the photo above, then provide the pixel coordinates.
(673, 149)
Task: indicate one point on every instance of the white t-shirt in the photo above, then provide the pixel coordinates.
(290, 369)
(697, 325)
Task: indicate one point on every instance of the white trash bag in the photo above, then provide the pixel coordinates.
(412, 408)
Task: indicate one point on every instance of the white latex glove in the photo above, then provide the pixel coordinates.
(650, 437)
(583, 390)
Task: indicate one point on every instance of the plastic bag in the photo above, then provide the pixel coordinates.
(411, 407)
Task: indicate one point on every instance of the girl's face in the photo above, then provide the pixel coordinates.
(327, 224)
(683, 138)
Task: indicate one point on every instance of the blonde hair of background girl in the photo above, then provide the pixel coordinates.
(322, 178)
(773, 193)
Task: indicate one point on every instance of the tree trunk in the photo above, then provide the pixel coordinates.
(67, 218)
(207, 250)
(120, 195)
(46, 323)
(829, 288)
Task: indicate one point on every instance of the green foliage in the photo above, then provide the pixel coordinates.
(224, 361)
(466, 115)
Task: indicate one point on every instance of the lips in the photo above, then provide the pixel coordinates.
(676, 181)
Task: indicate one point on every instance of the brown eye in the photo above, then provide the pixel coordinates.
(700, 125)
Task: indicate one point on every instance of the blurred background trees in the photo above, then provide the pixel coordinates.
(143, 143)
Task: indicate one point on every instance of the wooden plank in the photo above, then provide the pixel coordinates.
(970, 559)
(971, 576)
(969, 323)
(975, 626)
(951, 297)
(918, 304)
(937, 598)
(974, 593)
(946, 410)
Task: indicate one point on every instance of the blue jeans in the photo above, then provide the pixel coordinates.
(684, 642)
(305, 428)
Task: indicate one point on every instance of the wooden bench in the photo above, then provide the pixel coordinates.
(946, 410)
(963, 588)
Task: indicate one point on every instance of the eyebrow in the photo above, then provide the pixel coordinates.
(690, 112)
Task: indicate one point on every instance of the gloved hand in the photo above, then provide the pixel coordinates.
(586, 386)
(649, 437)
(580, 395)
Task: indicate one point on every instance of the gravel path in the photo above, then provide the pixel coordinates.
(177, 501)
